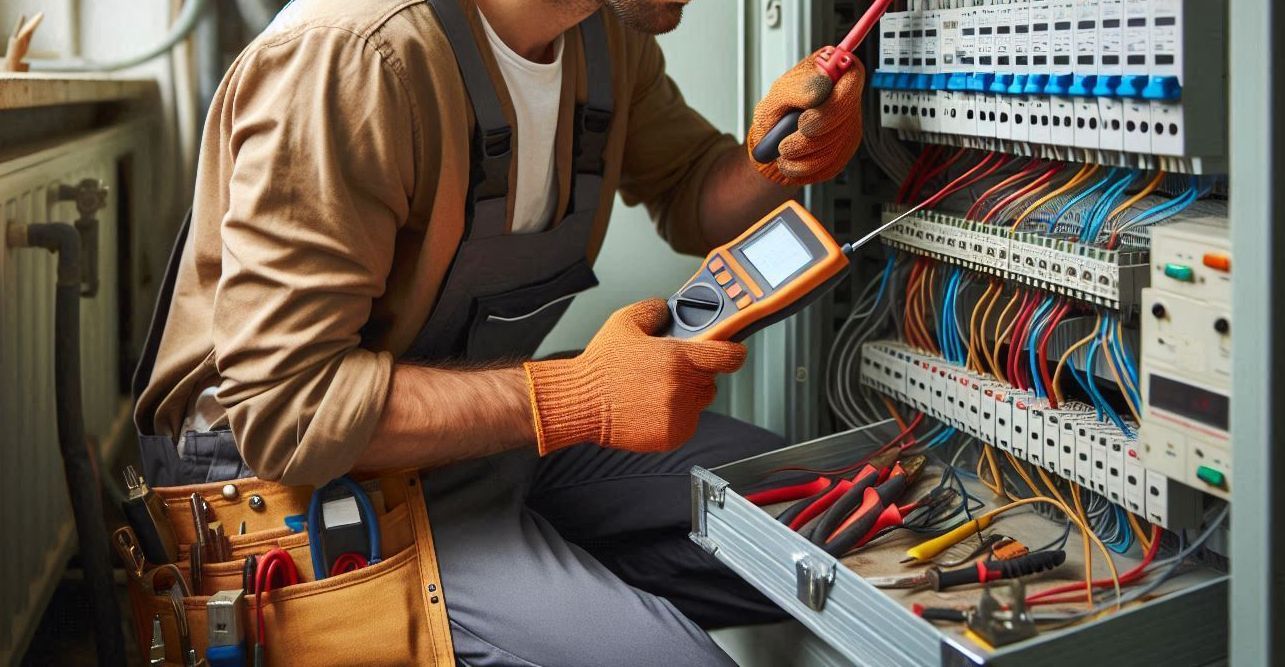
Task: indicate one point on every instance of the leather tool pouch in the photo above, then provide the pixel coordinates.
(389, 613)
(513, 324)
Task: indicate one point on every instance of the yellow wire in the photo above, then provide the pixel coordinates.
(1144, 536)
(1061, 363)
(1084, 531)
(986, 316)
(1151, 187)
(974, 360)
(1119, 336)
(1086, 172)
(1021, 471)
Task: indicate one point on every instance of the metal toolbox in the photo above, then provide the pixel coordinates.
(870, 627)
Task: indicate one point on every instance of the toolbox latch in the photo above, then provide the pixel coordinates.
(706, 488)
(813, 579)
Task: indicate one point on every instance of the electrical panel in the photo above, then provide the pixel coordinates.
(1127, 82)
(1067, 441)
(1186, 355)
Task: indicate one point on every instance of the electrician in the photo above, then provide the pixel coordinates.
(395, 203)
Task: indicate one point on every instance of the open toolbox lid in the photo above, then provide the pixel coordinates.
(1185, 625)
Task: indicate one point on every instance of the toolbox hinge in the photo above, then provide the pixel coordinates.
(813, 578)
(706, 488)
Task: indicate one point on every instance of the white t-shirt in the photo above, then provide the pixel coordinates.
(536, 92)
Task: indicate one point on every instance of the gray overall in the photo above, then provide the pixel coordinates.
(580, 557)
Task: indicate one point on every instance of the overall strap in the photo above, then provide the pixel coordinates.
(143, 373)
(491, 145)
(593, 119)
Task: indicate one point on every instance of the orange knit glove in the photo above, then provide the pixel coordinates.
(629, 389)
(829, 128)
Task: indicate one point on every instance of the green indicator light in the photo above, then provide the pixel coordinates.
(1179, 272)
(1211, 476)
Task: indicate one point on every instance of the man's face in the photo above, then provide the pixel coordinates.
(654, 17)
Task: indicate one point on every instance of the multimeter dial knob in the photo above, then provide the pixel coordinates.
(697, 306)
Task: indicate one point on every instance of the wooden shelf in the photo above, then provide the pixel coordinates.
(32, 90)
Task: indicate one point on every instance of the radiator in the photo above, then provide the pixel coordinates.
(38, 533)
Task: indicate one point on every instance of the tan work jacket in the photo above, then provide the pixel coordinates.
(330, 200)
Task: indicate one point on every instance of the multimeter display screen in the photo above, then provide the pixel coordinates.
(777, 253)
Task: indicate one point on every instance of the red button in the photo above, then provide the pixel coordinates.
(734, 290)
(716, 264)
(723, 277)
(1217, 261)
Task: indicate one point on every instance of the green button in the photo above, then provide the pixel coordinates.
(1211, 476)
(1179, 272)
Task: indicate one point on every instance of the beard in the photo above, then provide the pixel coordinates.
(654, 17)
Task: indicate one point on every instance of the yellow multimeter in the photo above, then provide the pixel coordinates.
(777, 267)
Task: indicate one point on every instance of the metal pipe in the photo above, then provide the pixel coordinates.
(179, 31)
(78, 467)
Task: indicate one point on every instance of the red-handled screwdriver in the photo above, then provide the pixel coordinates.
(833, 61)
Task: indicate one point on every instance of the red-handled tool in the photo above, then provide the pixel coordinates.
(833, 61)
(784, 494)
(983, 572)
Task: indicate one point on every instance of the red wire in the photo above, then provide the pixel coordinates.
(1044, 178)
(1026, 172)
(968, 178)
(1044, 349)
(916, 170)
(1128, 578)
(927, 178)
(1014, 347)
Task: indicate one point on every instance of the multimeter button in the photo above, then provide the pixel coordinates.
(744, 302)
(723, 277)
(734, 290)
(716, 264)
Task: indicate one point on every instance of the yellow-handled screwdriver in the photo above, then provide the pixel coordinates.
(926, 551)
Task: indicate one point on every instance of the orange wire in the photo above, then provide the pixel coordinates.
(1084, 174)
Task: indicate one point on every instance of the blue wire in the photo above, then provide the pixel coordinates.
(885, 279)
(1171, 207)
(1033, 341)
(1101, 401)
(1097, 217)
(1116, 350)
(1080, 197)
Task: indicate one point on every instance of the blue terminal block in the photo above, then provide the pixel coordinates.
(980, 82)
(905, 81)
(957, 81)
(1131, 85)
(1001, 83)
(1163, 88)
(1059, 84)
(881, 80)
(1083, 84)
(1035, 84)
(1018, 86)
(922, 82)
(1106, 86)
(938, 82)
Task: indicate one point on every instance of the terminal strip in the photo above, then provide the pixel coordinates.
(1111, 278)
(1069, 441)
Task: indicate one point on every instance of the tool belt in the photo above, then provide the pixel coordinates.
(388, 613)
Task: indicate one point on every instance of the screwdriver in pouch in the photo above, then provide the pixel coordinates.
(834, 62)
(984, 571)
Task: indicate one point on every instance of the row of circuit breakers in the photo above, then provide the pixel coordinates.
(1110, 81)
(1136, 83)
(1158, 468)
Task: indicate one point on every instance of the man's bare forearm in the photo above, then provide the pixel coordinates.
(437, 416)
(735, 196)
